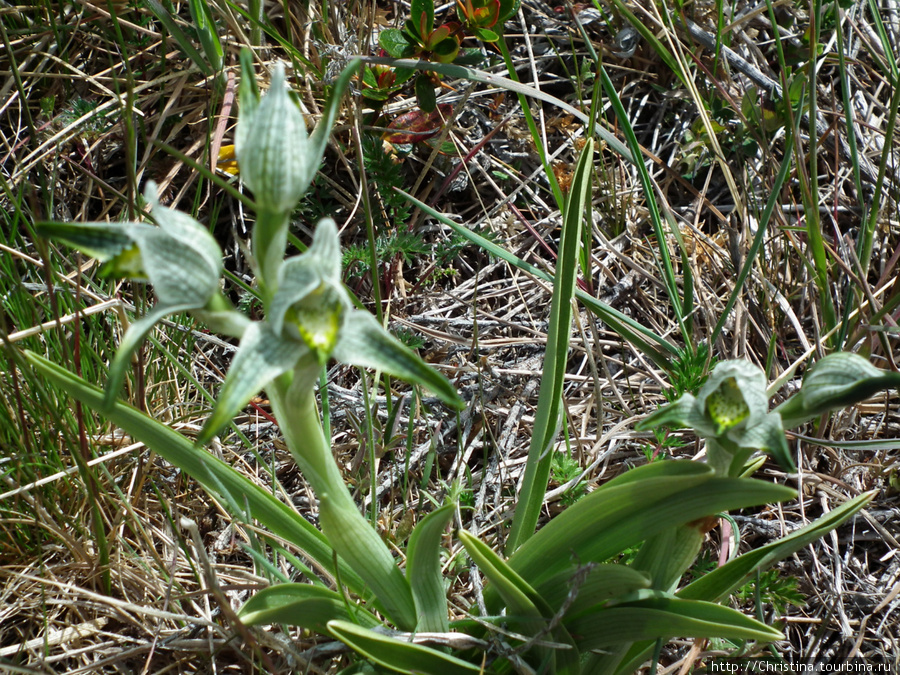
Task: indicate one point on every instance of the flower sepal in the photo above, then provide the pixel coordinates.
(179, 258)
(835, 381)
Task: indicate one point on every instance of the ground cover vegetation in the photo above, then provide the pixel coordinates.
(492, 336)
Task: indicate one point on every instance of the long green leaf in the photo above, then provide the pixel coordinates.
(300, 605)
(604, 582)
(423, 570)
(666, 556)
(211, 472)
(547, 417)
(320, 135)
(632, 508)
(525, 609)
(724, 580)
(665, 617)
(721, 582)
(402, 657)
(518, 597)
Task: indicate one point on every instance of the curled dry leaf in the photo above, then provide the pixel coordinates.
(416, 125)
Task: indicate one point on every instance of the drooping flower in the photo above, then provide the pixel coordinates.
(312, 319)
(179, 258)
(731, 412)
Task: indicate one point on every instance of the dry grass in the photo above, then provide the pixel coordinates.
(167, 604)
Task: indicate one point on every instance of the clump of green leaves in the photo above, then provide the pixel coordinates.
(409, 338)
(773, 588)
(565, 468)
(689, 371)
(482, 17)
(393, 239)
(420, 38)
(97, 122)
(665, 443)
(388, 246)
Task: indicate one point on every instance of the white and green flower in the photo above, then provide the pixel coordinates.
(312, 319)
(179, 258)
(276, 158)
(731, 412)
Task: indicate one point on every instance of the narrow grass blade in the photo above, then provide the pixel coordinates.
(758, 239)
(320, 135)
(532, 127)
(661, 50)
(887, 44)
(547, 417)
(206, 31)
(656, 348)
(854, 446)
(667, 271)
(184, 42)
(133, 337)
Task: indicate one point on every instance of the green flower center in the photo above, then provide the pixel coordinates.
(318, 320)
(726, 406)
(127, 264)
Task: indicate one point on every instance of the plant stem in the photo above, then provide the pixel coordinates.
(269, 244)
(348, 532)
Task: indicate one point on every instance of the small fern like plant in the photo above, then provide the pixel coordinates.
(554, 601)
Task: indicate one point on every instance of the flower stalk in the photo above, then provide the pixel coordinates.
(347, 530)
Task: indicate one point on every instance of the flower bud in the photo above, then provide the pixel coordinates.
(273, 150)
